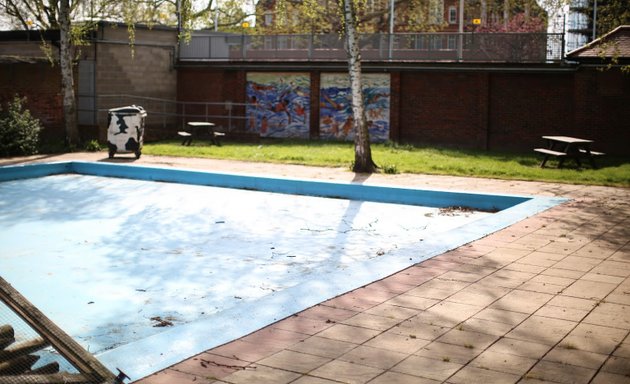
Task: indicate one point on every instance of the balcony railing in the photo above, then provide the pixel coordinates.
(402, 47)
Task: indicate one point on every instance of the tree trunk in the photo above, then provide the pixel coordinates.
(362, 152)
(67, 76)
(506, 13)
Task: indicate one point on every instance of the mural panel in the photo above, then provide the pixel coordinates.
(278, 104)
(335, 113)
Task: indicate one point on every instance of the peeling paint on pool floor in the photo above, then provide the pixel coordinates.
(145, 274)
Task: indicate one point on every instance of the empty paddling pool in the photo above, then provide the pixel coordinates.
(147, 266)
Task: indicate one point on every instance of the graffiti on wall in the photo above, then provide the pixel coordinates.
(278, 104)
(335, 112)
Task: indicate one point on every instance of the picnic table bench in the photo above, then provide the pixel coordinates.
(564, 147)
(193, 131)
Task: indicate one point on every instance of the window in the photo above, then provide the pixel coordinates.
(268, 19)
(579, 3)
(580, 21)
(452, 15)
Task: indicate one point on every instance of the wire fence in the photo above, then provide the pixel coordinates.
(165, 116)
(35, 350)
(436, 47)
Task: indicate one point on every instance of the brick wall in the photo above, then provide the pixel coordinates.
(478, 109)
(467, 109)
(523, 107)
(212, 86)
(439, 107)
(40, 83)
(601, 101)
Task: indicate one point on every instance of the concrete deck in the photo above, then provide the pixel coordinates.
(546, 300)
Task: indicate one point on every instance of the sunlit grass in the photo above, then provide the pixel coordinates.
(613, 171)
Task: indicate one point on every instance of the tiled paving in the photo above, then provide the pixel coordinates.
(546, 300)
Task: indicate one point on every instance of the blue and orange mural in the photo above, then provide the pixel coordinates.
(335, 111)
(278, 104)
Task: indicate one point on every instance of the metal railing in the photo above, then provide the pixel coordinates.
(433, 47)
(170, 115)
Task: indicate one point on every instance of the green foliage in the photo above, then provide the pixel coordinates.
(610, 15)
(93, 146)
(390, 169)
(19, 131)
(394, 145)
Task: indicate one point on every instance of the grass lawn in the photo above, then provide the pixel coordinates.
(611, 171)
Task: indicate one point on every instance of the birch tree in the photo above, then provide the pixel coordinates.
(363, 162)
(67, 76)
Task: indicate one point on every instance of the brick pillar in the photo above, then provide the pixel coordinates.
(314, 107)
(484, 111)
(394, 107)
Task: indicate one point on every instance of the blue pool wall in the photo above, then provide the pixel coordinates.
(351, 191)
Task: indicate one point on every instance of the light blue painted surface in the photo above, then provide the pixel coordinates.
(352, 191)
(127, 277)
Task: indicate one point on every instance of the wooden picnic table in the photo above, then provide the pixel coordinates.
(193, 131)
(564, 147)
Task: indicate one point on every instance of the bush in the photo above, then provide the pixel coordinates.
(19, 131)
(93, 146)
(390, 169)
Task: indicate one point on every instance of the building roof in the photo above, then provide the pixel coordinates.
(15, 59)
(613, 44)
(29, 35)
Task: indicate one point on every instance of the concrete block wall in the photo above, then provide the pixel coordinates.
(142, 34)
(149, 72)
(145, 69)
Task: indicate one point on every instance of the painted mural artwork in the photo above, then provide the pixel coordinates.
(278, 104)
(335, 112)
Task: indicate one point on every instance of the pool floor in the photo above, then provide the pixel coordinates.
(144, 274)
